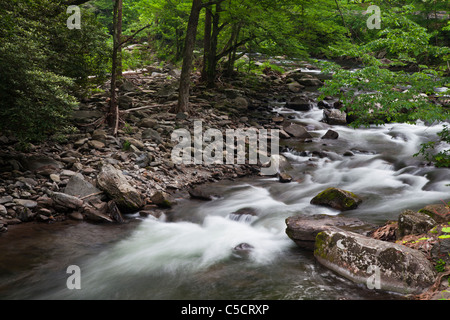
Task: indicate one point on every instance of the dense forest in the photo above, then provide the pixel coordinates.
(96, 94)
(47, 66)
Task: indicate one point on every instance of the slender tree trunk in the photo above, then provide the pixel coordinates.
(206, 43)
(232, 54)
(183, 95)
(212, 57)
(119, 38)
(116, 70)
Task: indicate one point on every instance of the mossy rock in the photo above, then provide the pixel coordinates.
(337, 199)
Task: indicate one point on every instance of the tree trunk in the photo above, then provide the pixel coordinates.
(206, 43)
(232, 54)
(116, 70)
(183, 95)
(212, 57)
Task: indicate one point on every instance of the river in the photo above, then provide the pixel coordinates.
(193, 257)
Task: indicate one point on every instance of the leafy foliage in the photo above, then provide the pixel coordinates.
(44, 64)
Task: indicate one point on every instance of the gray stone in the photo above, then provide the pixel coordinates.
(3, 210)
(410, 222)
(24, 214)
(331, 134)
(150, 134)
(116, 186)
(297, 131)
(295, 87)
(147, 123)
(299, 103)
(86, 116)
(26, 203)
(240, 103)
(37, 162)
(303, 229)
(285, 178)
(125, 102)
(78, 186)
(6, 199)
(203, 193)
(96, 144)
(99, 134)
(308, 80)
(161, 199)
(335, 117)
(378, 264)
(441, 250)
(337, 199)
(76, 216)
(66, 201)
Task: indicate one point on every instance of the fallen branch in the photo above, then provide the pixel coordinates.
(91, 195)
(140, 108)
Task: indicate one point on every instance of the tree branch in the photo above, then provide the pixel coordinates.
(230, 49)
(131, 37)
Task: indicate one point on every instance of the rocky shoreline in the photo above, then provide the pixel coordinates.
(36, 182)
(86, 174)
(407, 256)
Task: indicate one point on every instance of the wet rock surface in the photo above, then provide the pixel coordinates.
(379, 264)
(303, 229)
(337, 199)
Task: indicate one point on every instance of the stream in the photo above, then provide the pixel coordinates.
(193, 256)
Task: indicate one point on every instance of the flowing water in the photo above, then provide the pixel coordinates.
(192, 255)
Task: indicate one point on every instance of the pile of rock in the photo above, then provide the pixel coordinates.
(90, 174)
(399, 256)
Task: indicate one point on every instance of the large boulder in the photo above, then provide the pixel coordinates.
(116, 186)
(375, 263)
(337, 199)
(303, 229)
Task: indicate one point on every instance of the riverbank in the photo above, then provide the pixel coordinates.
(70, 162)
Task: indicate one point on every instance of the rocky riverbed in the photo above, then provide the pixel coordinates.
(86, 174)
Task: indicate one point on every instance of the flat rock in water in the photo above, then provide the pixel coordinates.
(337, 199)
(331, 134)
(203, 193)
(303, 229)
(335, 117)
(297, 131)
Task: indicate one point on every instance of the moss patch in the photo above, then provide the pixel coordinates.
(337, 199)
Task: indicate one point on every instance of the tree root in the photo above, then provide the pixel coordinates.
(434, 288)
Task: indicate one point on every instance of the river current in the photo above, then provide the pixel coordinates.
(193, 255)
